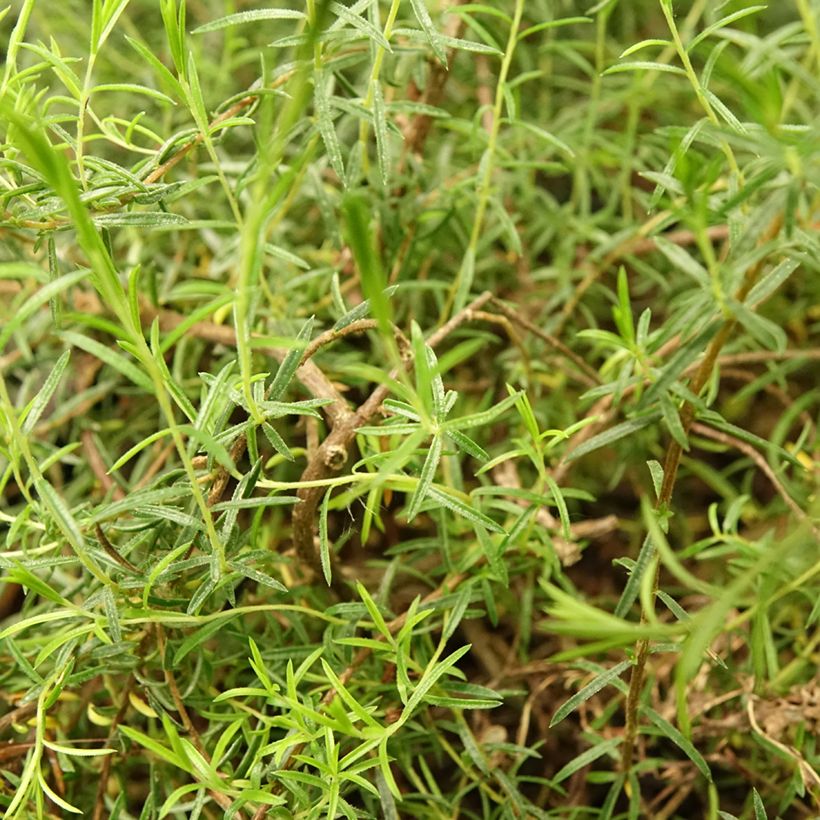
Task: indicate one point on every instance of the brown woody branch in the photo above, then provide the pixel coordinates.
(333, 453)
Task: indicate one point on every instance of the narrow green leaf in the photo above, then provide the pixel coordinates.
(771, 282)
(359, 235)
(563, 512)
(463, 509)
(43, 397)
(324, 121)
(464, 442)
(19, 574)
(562, 21)
(349, 700)
(324, 542)
(361, 310)
(643, 65)
(158, 66)
(672, 420)
(426, 23)
(380, 129)
(458, 43)
(457, 612)
(67, 525)
(682, 359)
(759, 808)
(483, 418)
(373, 610)
(656, 471)
(545, 136)
(276, 441)
(722, 23)
(359, 23)
(153, 746)
(686, 746)
(256, 575)
(431, 676)
(428, 472)
(612, 435)
(598, 683)
(253, 16)
(139, 219)
(133, 88)
(605, 747)
(44, 294)
(110, 357)
(290, 363)
(384, 768)
(684, 261)
(653, 42)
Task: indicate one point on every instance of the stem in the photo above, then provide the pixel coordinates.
(461, 287)
(581, 196)
(700, 91)
(670, 471)
(374, 76)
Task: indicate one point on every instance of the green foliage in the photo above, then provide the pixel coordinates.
(409, 409)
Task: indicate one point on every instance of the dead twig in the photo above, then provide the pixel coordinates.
(18, 714)
(359, 326)
(639, 243)
(98, 466)
(754, 455)
(112, 552)
(417, 129)
(105, 769)
(585, 374)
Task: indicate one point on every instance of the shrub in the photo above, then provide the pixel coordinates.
(409, 409)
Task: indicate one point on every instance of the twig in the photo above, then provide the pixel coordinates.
(332, 335)
(15, 751)
(439, 335)
(98, 466)
(754, 455)
(112, 552)
(333, 452)
(416, 131)
(105, 770)
(585, 374)
(637, 244)
(757, 356)
(359, 326)
(18, 714)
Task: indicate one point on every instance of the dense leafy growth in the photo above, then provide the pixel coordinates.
(409, 409)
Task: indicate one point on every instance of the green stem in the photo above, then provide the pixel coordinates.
(700, 91)
(375, 73)
(460, 289)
